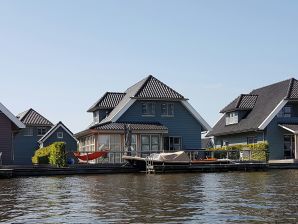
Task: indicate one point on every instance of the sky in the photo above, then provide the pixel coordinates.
(59, 57)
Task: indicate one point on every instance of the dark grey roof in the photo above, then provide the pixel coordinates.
(150, 87)
(108, 101)
(134, 126)
(293, 90)
(242, 102)
(268, 98)
(153, 88)
(31, 117)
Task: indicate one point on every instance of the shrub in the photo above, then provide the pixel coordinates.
(259, 151)
(53, 154)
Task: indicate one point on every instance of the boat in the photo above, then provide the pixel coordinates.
(169, 159)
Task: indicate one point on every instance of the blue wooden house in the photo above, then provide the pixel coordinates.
(268, 114)
(39, 132)
(160, 118)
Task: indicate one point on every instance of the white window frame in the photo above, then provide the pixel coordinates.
(59, 135)
(232, 118)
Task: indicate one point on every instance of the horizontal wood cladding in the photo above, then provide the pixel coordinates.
(5, 139)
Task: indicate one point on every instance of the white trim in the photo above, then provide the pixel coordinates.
(11, 117)
(288, 129)
(272, 114)
(122, 110)
(60, 136)
(53, 129)
(196, 115)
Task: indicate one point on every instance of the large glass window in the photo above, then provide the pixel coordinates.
(87, 144)
(172, 143)
(155, 143)
(289, 146)
(148, 109)
(167, 109)
(145, 141)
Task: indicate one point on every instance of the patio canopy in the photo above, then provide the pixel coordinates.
(290, 127)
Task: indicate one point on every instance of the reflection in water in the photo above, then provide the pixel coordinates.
(236, 197)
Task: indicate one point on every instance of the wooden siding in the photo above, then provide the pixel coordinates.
(25, 146)
(71, 144)
(182, 124)
(6, 139)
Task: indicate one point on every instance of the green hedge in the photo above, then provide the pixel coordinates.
(259, 151)
(53, 154)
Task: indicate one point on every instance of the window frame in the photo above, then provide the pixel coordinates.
(29, 133)
(42, 129)
(147, 113)
(254, 140)
(285, 114)
(60, 136)
(171, 146)
(165, 112)
(232, 118)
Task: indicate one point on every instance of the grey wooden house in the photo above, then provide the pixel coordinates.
(39, 132)
(269, 113)
(9, 127)
(161, 119)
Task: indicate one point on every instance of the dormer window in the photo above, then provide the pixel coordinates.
(148, 109)
(285, 112)
(96, 116)
(232, 118)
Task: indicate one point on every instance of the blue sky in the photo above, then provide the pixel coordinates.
(59, 57)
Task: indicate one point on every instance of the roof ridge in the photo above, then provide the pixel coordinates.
(144, 84)
(21, 115)
(290, 88)
(276, 83)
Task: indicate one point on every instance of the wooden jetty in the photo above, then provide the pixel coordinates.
(34, 171)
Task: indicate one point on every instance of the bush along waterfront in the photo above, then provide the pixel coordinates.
(258, 151)
(53, 154)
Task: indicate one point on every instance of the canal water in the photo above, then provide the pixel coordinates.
(234, 197)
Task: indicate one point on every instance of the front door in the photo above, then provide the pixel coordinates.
(289, 146)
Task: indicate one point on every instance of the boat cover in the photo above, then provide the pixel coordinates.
(180, 156)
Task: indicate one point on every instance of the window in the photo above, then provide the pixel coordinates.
(96, 116)
(155, 143)
(172, 143)
(167, 109)
(113, 144)
(252, 140)
(41, 131)
(145, 141)
(59, 134)
(87, 144)
(148, 109)
(289, 146)
(285, 112)
(28, 131)
(231, 118)
(133, 142)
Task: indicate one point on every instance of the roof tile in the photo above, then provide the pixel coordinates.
(31, 117)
